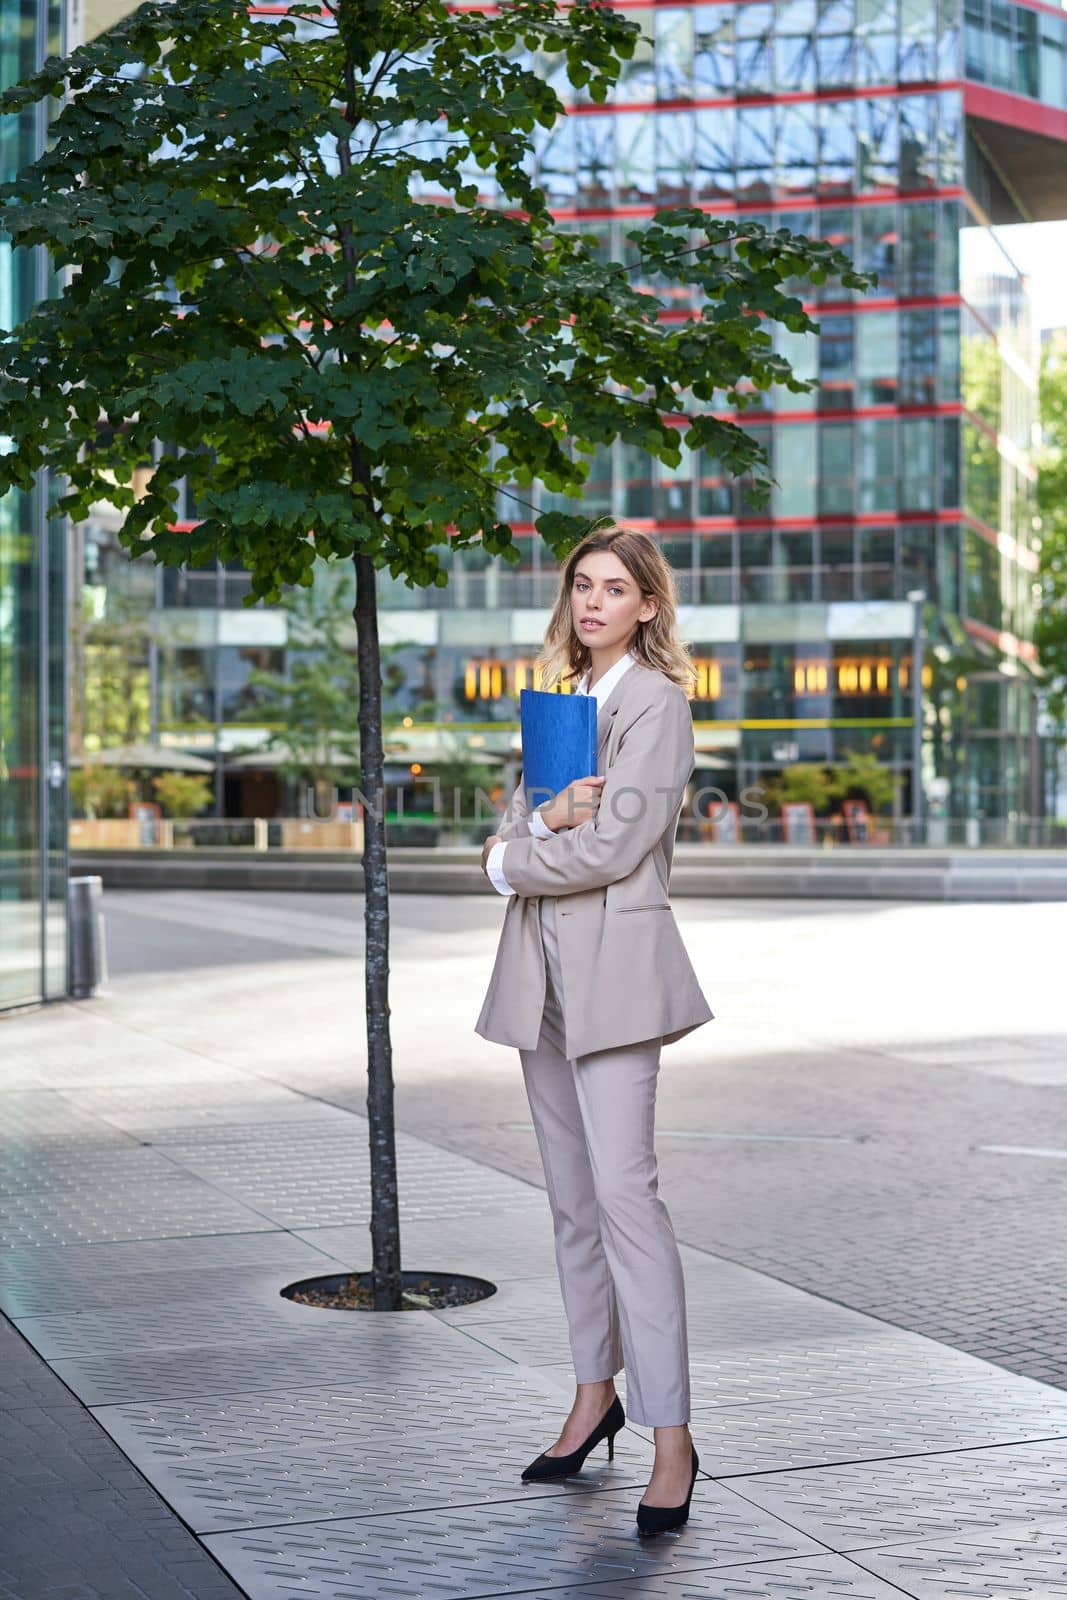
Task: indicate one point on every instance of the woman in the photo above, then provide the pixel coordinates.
(591, 978)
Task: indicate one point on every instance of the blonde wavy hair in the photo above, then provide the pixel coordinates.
(564, 657)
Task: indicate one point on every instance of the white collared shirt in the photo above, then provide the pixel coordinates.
(494, 865)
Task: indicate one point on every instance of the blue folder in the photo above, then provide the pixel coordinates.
(558, 741)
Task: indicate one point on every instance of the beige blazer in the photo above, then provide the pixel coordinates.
(626, 973)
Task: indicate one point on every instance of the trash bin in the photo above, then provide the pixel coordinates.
(88, 941)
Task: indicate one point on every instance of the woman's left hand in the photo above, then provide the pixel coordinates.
(486, 847)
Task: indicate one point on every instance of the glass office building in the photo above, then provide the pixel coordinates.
(907, 132)
(33, 866)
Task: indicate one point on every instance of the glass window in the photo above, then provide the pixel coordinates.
(876, 41)
(949, 40)
(801, 350)
(950, 219)
(950, 462)
(836, 480)
(918, 248)
(796, 560)
(1001, 45)
(756, 551)
(837, 146)
(950, 138)
(918, 559)
(1026, 52)
(982, 568)
(918, 357)
(242, 700)
(918, 41)
(748, 508)
(918, 460)
(835, 29)
(976, 41)
(755, 151)
(876, 455)
(918, 141)
(674, 490)
(713, 50)
(636, 482)
(674, 53)
(948, 353)
(794, 45)
(594, 154)
(794, 468)
(187, 685)
(636, 83)
(674, 156)
(878, 245)
(876, 359)
(1053, 64)
(877, 144)
(714, 153)
(837, 564)
(555, 161)
(635, 157)
(876, 569)
(948, 568)
(837, 376)
(754, 25)
(717, 577)
(796, 150)
(836, 225)
(678, 553)
(715, 497)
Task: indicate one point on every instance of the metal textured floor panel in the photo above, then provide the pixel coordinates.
(423, 1442)
(239, 1309)
(383, 1349)
(746, 1439)
(520, 1546)
(1023, 1562)
(885, 1502)
(811, 1578)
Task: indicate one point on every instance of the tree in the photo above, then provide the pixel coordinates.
(862, 776)
(98, 791)
(110, 681)
(277, 259)
(804, 781)
(182, 794)
(313, 707)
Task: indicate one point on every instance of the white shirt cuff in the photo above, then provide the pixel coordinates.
(538, 826)
(494, 867)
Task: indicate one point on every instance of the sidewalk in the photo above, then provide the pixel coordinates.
(153, 1201)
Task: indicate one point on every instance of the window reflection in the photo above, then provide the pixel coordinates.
(713, 50)
(714, 153)
(836, 27)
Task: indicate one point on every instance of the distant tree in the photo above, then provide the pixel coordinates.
(861, 776)
(312, 709)
(803, 781)
(111, 696)
(98, 792)
(182, 794)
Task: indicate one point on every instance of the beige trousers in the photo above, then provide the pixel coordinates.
(619, 1266)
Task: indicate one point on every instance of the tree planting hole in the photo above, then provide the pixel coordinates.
(420, 1291)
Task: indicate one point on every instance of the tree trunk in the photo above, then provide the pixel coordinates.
(385, 1213)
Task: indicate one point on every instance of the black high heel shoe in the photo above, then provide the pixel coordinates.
(659, 1519)
(545, 1466)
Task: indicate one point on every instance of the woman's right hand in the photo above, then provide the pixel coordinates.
(575, 804)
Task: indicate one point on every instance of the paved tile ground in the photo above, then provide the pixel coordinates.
(173, 1154)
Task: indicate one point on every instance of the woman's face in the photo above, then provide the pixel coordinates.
(606, 603)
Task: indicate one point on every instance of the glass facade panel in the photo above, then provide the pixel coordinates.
(33, 627)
